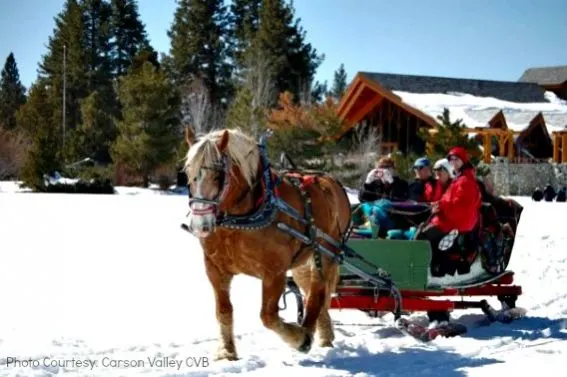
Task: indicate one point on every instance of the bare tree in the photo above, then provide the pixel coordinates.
(259, 80)
(366, 150)
(13, 151)
(196, 106)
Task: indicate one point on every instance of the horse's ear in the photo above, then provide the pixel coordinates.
(223, 142)
(189, 136)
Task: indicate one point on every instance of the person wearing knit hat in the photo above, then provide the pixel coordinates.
(421, 189)
(443, 177)
(458, 209)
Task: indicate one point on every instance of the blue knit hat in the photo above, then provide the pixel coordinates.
(421, 162)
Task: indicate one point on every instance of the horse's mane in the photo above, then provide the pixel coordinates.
(241, 149)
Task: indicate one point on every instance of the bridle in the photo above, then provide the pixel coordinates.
(223, 169)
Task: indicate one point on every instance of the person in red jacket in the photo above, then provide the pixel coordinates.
(443, 178)
(458, 208)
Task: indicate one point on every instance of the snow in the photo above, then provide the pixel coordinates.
(477, 111)
(104, 278)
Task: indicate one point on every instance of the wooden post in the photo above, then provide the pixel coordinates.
(564, 147)
(487, 147)
(510, 146)
(555, 139)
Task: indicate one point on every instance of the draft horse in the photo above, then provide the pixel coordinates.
(233, 216)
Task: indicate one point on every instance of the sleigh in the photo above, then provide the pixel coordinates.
(408, 263)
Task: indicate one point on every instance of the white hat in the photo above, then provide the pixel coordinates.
(444, 163)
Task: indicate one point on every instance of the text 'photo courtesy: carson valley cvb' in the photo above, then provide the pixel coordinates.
(154, 362)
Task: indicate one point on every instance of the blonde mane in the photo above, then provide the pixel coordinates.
(241, 149)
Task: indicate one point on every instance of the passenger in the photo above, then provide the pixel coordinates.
(421, 189)
(443, 177)
(382, 182)
(458, 208)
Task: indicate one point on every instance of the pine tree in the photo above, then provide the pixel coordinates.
(12, 93)
(67, 41)
(96, 41)
(148, 131)
(448, 135)
(245, 19)
(281, 41)
(36, 119)
(199, 47)
(339, 83)
(129, 37)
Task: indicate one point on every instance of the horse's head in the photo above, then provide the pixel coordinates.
(220, 169)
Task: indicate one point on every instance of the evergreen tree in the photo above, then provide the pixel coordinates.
(339, 83)
(129, 37)
(12, 93)
(66, 42)
(36, 119)
(245, 18)
(281, 41)
(199, 47)
(96, 42)
(148, 132)
(448, 135)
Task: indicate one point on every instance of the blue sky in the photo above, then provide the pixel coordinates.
(490, 39)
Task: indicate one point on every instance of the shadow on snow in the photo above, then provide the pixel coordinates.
(406, 362)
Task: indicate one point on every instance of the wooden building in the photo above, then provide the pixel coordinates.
(553, 79)
(371, 101)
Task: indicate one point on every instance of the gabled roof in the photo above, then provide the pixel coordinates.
(498, 120)
(362, 92)
(512, 91)
(537, 122)
(545, 75)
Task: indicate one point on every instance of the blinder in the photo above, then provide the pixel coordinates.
(223, 169)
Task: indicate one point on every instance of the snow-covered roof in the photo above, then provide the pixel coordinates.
(478, 111)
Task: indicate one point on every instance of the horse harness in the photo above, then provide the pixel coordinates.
(270, 203)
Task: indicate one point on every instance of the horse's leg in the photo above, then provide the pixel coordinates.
(272, 290)
(325, 330)
(221, 286)
(302, 275)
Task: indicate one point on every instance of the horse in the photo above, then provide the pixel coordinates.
(227, 179)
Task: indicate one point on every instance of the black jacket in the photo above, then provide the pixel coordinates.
(397, 191)
(416, 189)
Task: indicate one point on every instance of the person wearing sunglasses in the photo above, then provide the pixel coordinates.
(421, 189)
(444, 175)
(458, 208)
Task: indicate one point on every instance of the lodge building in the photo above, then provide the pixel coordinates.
(525, 120)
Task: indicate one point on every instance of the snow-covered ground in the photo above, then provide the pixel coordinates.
(112, 279)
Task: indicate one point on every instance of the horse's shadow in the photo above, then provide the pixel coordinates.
(524, 329)
(406, 361)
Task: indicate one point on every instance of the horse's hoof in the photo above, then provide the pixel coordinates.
(224, 354)
(326, 343)
(306, 345)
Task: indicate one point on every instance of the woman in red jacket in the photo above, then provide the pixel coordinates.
(443, 178)
(458, 208)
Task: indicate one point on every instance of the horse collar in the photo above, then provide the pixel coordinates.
(265, 212)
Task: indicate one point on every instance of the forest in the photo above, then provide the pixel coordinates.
(105, 101)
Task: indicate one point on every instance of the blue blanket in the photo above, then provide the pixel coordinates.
(377, 213)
